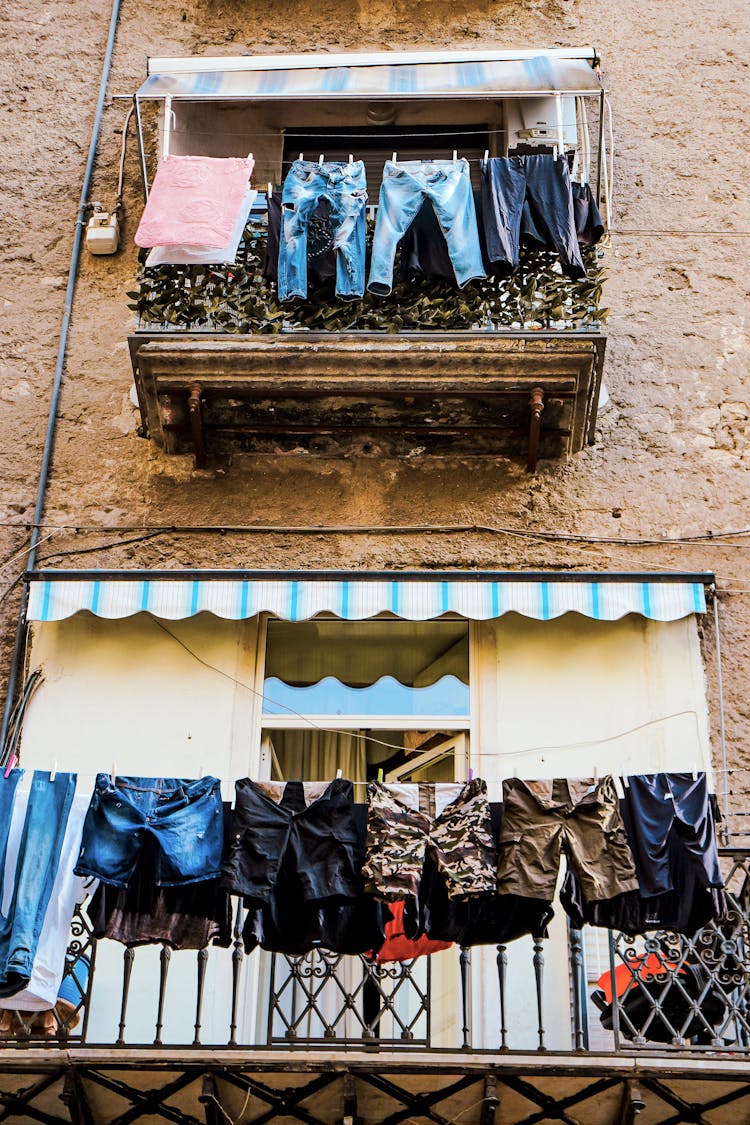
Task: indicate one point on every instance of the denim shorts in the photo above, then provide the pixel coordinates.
(183, 820)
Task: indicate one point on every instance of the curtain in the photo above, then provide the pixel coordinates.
(316, 755)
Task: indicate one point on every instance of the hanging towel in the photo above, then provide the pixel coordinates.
(194, 201)
(206, 255)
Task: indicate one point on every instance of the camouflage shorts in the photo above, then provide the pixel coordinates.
(404, 821)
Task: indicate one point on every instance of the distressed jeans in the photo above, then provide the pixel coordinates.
(38, 860)
(344, 187)
(447, 184)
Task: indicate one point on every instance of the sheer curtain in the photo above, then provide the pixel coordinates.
(316, 755)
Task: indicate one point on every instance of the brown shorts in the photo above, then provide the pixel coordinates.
(581, 817)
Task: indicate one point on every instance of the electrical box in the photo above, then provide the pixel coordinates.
(534, 122)
(102, 233)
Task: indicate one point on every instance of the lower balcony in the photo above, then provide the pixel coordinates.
(521, 396)
(591, 1028)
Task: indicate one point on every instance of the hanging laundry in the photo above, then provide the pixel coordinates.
(194, 201)
(588, 221)
(540, 818)
(321, 252)
(209, 255)
(344, 187)
(295, 854)
(406, 185)
(488, 918)
(398, 947)
(183, 818)
(533, 194)
(42, 991)
(670, 824)
(39, 853)
(450, 820)
(189, 916)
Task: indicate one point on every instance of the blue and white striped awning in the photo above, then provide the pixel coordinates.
(397, 76)
(356, 599)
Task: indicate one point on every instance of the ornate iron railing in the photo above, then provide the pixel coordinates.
(238, 299)
(672, 993)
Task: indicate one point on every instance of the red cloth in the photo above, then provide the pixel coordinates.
(398, 947)
(640, 968)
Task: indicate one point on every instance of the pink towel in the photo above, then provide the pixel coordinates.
(194, 201)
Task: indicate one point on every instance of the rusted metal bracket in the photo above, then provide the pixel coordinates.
(536, 403)
(74, 1098)
(350, 1116)
(209, 1098)
(631, 1105)
(490, 1102)
(195, 409)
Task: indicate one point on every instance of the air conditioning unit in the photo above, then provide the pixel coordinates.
(534, 122)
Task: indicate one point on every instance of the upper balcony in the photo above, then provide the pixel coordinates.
(507, 366)
(522, 1034)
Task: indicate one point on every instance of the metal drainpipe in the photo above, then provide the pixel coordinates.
(18, 647)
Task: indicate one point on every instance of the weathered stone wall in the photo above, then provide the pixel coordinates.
(671, 457)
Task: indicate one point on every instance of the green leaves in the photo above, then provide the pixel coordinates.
(239, 299)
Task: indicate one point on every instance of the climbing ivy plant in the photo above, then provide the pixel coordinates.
(238, 299)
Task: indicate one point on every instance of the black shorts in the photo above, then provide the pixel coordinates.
(308, 828)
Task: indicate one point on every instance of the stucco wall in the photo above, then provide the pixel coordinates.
(670, 457)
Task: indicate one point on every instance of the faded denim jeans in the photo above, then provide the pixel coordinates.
(447, 184)
(344, 186)
(38, 860)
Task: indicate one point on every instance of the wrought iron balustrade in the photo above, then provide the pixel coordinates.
(672, 994)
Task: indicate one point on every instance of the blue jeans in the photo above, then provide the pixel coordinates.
(183, 819)
(8, 786)
(344, 187)
(38, 860)
(447, 184)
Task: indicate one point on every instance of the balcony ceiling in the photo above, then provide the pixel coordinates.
(524, 396)
(189, 1087)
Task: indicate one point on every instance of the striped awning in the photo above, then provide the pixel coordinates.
(397, 77)
(421, 598)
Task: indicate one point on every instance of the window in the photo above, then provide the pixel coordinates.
(366, 696)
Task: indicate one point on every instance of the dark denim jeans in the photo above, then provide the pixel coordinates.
(38, 860)
(183, 819)
(540, 187)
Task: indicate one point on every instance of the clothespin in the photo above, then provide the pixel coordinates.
(486, 156)
(250, 159)
(339, 774)
(320, 159)
(471, 774)
(455, 155)
(200, 772)
(53, 771)
(625, 781)
(351, 160)
(554, 152)
(302, 156)
(394, 158)
(380, 776)
(515, 771)
(113, 774)
(596, 776)
(11, 763)
(695, 775)
(269, 187)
